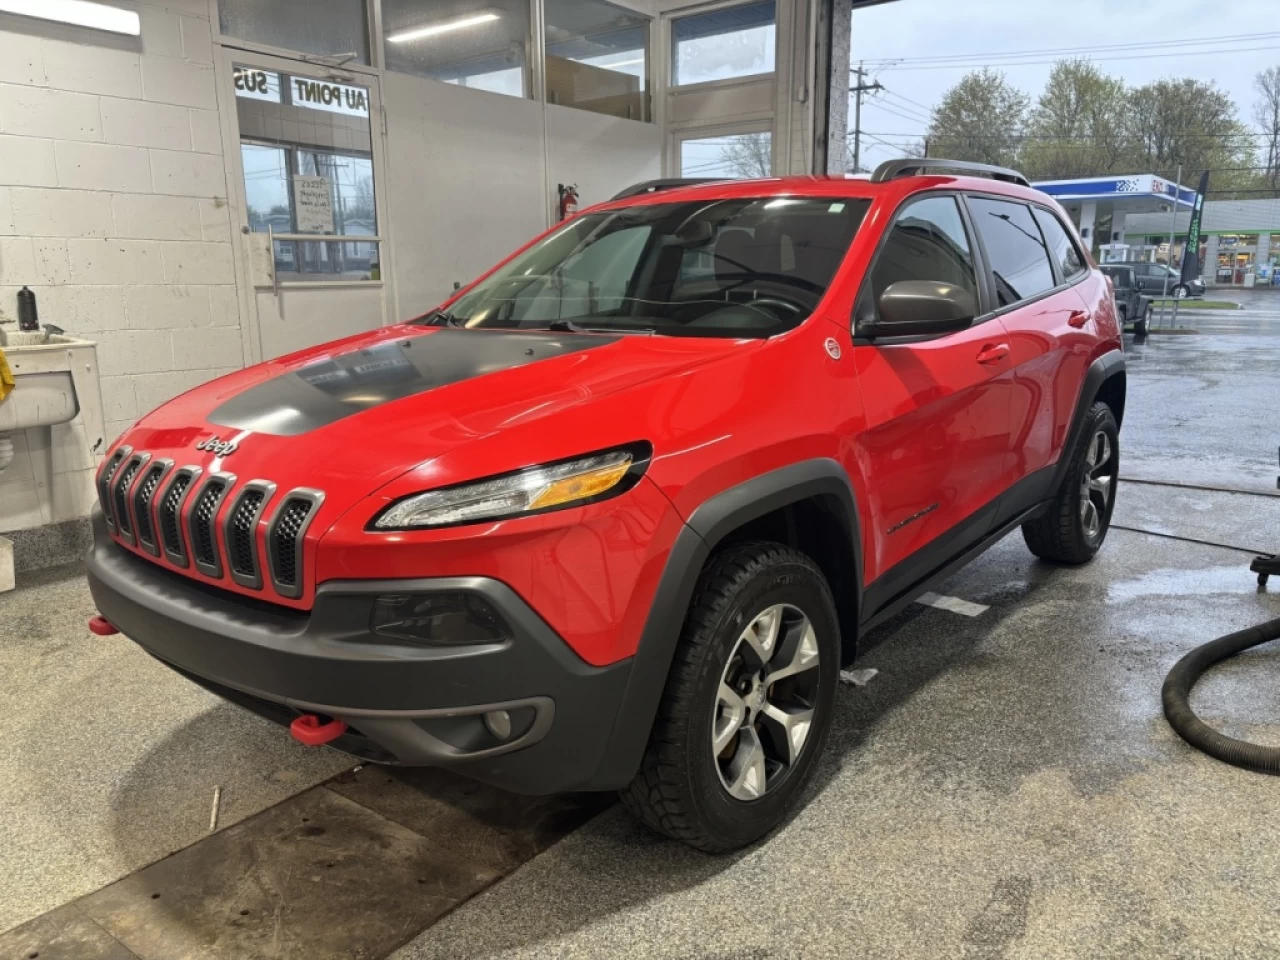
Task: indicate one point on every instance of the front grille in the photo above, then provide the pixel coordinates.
(288, 526)
(104, 483)
(242, 536)
(204, 541)
(170, 512)
(285, 539)
(147, 487)
(173, 514)
(120, 497)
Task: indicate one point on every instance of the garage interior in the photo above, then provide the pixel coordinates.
(1002, 783)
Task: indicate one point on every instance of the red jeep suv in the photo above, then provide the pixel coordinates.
(615, 515)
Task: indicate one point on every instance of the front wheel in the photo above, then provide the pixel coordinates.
(748, 703)
(1076, 523)
(1180, 292)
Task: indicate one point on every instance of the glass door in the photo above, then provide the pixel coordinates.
(309, 176)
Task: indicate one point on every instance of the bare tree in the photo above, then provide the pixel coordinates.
(1266, 111)
(749, 156)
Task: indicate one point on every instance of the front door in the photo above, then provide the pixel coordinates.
(308, 174)
(937, 435)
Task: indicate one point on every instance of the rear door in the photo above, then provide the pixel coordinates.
(937, 411)
(1035, 268)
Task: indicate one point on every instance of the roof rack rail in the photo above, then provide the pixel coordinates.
(914, 166)
(655, 186)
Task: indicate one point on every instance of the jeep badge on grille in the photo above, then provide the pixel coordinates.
(221, 448)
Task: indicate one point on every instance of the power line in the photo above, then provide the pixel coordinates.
(914, 103)
(1090, 59)
(905, 116)
(1084, 138)
(1005, 54)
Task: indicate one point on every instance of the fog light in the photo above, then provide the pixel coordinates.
(498, 723)
(452, 618)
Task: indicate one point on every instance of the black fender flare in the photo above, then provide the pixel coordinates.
(1104, 368)
(706, 527)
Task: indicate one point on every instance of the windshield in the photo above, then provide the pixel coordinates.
(711, 268)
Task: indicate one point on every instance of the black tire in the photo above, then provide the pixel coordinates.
(680, 789)
(1142, 327)
(1062, 533)
(1181, 292)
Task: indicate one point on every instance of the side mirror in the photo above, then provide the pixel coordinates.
(920, 308)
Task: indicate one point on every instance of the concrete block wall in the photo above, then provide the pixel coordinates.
(113, 208)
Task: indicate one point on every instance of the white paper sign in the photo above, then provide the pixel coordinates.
(313, 204)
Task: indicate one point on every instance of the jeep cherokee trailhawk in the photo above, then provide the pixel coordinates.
(614, 516)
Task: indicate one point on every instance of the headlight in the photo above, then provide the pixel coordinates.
(548, 487)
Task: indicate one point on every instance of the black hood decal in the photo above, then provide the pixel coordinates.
(329, 390)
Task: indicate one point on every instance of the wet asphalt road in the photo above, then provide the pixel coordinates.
(1206, 408)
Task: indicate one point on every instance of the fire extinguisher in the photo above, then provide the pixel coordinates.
(568, 199)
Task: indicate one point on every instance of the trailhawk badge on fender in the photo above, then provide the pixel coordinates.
(220, 448)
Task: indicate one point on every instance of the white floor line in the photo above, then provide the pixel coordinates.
(954, 604)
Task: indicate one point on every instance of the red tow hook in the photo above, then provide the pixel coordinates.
(309, 729)
(100, 626)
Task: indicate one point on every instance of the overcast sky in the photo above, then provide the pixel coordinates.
(932, 28)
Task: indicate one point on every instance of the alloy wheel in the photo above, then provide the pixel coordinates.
(765, 704)
(1097, 484)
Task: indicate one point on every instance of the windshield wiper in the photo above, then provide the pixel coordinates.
(568, 326)
(442, 319)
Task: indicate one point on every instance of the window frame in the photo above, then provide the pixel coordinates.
(986, 297)
(669, 40)
(1059, 283)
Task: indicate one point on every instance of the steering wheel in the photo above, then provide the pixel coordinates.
(756, 313)
(782, 278)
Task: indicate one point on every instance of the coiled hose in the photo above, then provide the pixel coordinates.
(1176, 696)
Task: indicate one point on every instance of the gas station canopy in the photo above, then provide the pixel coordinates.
(1101, 198)
(1139, 193)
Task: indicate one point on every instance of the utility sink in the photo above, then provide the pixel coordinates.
(45, 374)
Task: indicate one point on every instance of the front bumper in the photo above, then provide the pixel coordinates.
(418, 706)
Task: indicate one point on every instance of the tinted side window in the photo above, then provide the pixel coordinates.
(927, 242)
(1019, 259)
(1061, 247)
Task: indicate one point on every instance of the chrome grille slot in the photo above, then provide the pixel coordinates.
(169, 515)
(120, 495)
(285, 539)
(104, 484)
(240, 533)
(200, 523)
(142, 502)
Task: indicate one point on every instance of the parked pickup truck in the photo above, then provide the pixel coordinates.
(1132, 306)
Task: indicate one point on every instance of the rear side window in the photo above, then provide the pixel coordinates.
(927, 242)
(1019, 258)
(1061, 247)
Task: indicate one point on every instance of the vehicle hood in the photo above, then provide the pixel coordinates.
(350, 416)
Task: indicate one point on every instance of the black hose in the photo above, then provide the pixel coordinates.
(1176, 695)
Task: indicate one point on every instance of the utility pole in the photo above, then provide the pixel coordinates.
(858, 89)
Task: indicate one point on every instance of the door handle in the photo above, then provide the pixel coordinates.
(1078, 318)
(993, 352)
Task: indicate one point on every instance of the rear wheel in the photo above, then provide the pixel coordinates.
(748, 703)
(1076, 523)
(1141, 327)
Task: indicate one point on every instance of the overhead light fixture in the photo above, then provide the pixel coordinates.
(417, 33)
(80, 13)
(621, 63)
